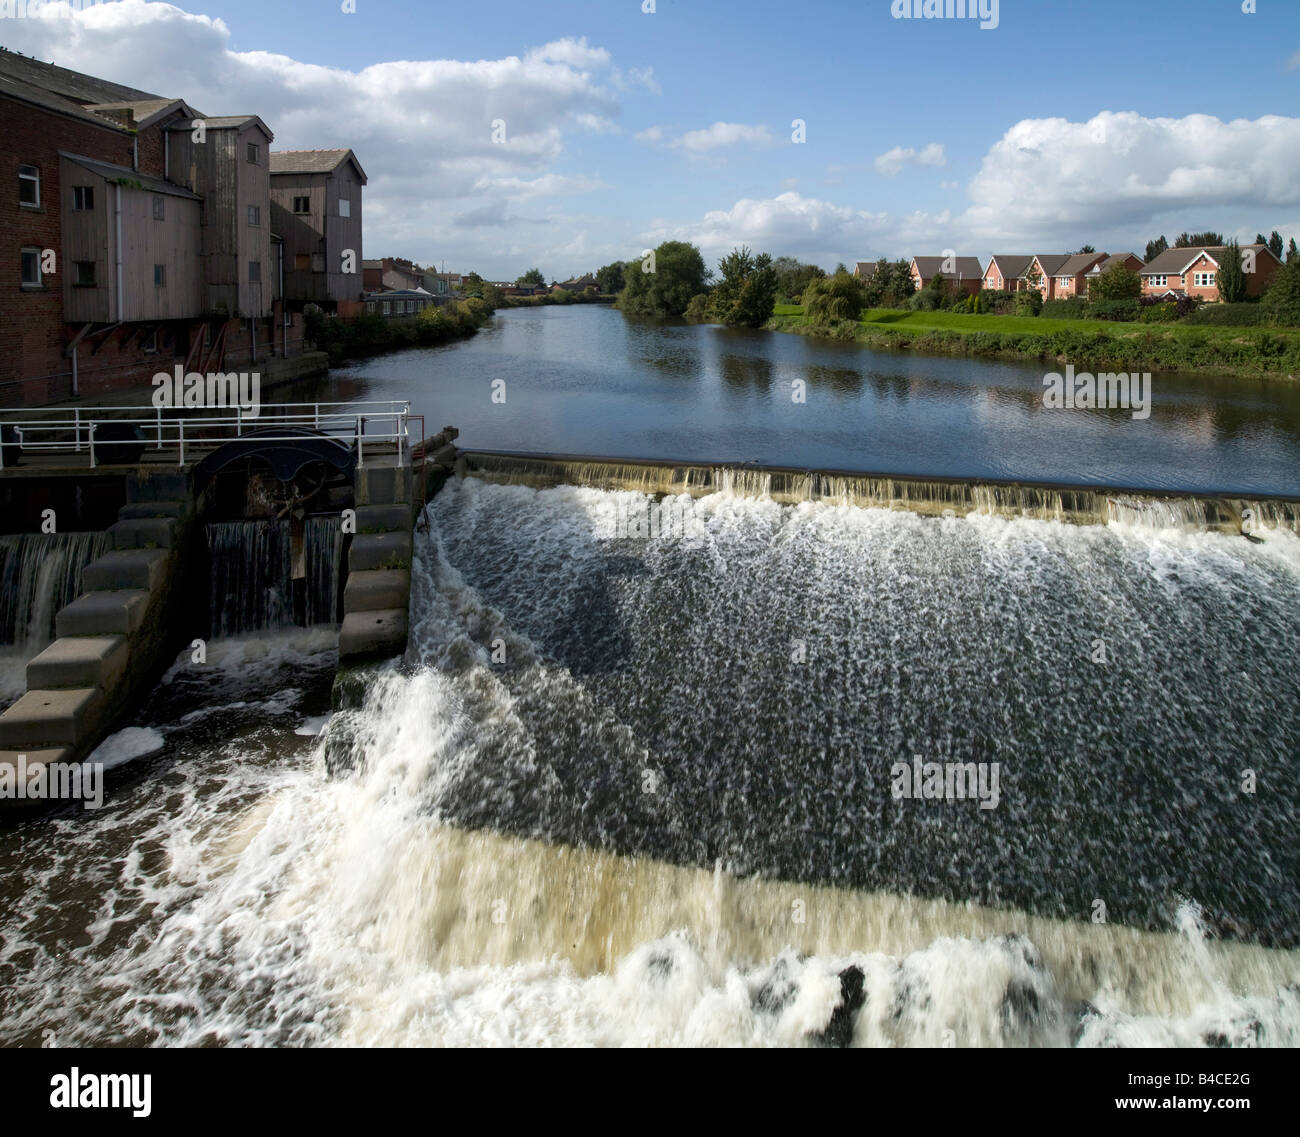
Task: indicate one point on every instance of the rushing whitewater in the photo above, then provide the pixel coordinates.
(633, 791)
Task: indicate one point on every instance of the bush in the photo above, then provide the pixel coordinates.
(1071, 308)
(1028, 302)
(1281, 300)
(1165, 312)
(838, 297)
(1242, 315)
(1113, 310)
(997, 302)
(697, 311)
(924, 301)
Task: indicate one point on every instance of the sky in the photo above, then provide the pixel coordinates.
(563, 135)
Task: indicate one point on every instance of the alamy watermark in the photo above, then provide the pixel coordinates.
(986, 11)
(44, 9)
(947, 781)
(22, 780)
(1127, 390)
(227, 389)
(672, 519)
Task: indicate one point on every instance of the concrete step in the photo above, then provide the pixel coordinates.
(103, 614)
(380, 551)
(78, 661)
(125, 568)
(27, 764)
(383, 483)
(139, 510)
(52, 718)
(384, 518)
(371, 635)
(376, 590)
(143, 533)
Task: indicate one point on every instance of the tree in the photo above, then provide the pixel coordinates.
(1281, 300)
(1231, 277)
(746, 293)
(841, 267)
(1260, 239)
(1292, 253)
(1117, 283)
(533, 278)
(661, 287)
(609, 279)
(1155, 248)
(831, 298)
(1198, 240)
(1087, 249)
(891, 285)
(792, 277)
(1275, 244)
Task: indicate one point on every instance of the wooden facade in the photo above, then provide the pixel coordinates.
(322, 235)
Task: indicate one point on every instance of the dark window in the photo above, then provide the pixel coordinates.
(29, 186)
(160, 276)
(302, 262)
(255, 215)
(318, 262)
(302, 205)
(31, 268)
(151, 342)
(86, 274)
(254, 153)
(159, 207)
(254, 272)
(83, 198)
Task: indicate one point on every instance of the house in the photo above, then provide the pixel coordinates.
(391, 273)
(399, 302)
(316, 208)
(1006, 271)
(1194, 271)
(1130, 261)
(577, 284)
(962, 273)
(131, 248)
(1070, 278)
(1041, 273)
(865, 270)
(443, 283)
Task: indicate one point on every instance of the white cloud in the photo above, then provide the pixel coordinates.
(723, 134)
(893, 161)
(650, 134)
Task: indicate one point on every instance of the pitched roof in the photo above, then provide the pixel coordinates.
(1050, 262)
(1180, 260)
(967, 268)
(71, 85)
(312, 162)
(143, 112)
(1079, 262)
(1116, 258)
(865, 269)
(134, 177)
(1013, 265)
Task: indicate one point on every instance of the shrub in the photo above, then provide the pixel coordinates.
(997, 302)
(697, 310)
(927, 300)
(1113, 310)
(1028, 302)
(1165, 312)
(1242, 315)
(1281, 301)
(1071, 308)
(838, 297)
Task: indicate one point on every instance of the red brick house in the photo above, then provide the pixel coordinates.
(1041, 273)
(1130, 261)
(963, 274)
(1005, 271)
(1070, 278)
(1194, 272)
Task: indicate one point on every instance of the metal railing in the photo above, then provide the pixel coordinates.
(73, 430)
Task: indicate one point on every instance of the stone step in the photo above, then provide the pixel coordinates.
(78, 661)
(143, 533)
(377, 589)
(383, 484)
(103, 614)
(52, 718)
(372, 635)
(384, 518)
(139, 510)
(125, 568)
(379, 551)
(27, 764)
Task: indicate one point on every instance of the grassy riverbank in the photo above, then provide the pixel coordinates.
(371, 334)
(1269, 352)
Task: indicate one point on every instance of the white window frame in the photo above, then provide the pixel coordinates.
(83, 191)
(39, 282)
(1159, 280)
(35, 178)
(1203, 279)
(345, 207)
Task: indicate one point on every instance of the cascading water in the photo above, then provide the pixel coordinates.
(638, 790)
(253, 574)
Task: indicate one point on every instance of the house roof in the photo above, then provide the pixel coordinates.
(313, 162)
(397, 293)
(1115, 258)
(73, 86)
(1049, 263)
(1079, 262)
(224, 122)
(1013, 265)
(1178, 261)
(865, 269)
(966, 267)
(143, 112)
(125, 174)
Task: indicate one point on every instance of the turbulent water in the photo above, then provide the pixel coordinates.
(634, 791)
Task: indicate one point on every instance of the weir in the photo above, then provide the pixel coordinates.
(1042, 501)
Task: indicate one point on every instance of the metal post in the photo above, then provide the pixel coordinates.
(361, 460)
(180, 434)
(159, 446)
(239, 421)
(92, 444)
(76, 426)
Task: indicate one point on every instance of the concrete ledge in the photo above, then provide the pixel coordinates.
(377, 589)
(36, 760)
(143, 533)
(384, 518)
(140, 510)
(372, 635)
(78, 661)
(103, 614)
(52, 718)
(125, 568)
(156, 486)
(382, 482)
(380, 550)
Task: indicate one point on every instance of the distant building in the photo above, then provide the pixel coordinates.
(399, 302)
(1195, 272)
(577, 284)
(961, 273)
(391, 273)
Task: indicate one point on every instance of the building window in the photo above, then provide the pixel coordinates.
(160, 276)
(345, 207)
(32, 268)
(83, 198)
(318, 262)
(29, 186)
(159, 207)
(150, 344)
(254, 272)
(85, 274)
(255, 215)
(302, 262)
(255, 153)
(1203, 279)
(302, 205)
(387, 307)
(370, 307)
(1158, 280)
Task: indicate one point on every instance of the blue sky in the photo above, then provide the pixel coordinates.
(921, 134)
